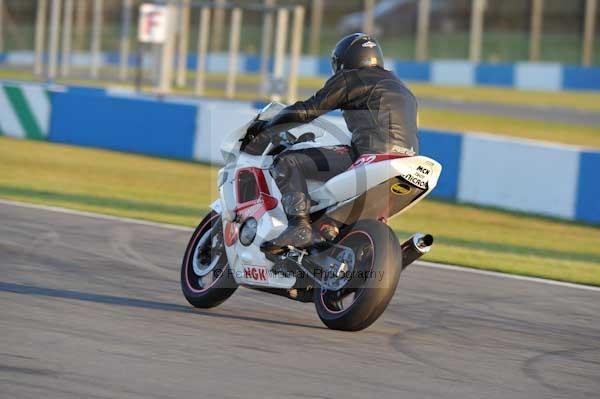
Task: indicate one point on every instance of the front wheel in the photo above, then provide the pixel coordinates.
(206, 279)
(372, 258)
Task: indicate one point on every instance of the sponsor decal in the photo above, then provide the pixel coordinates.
(401, 189)
(372, 158)
(415, 180)
(404, 151)
(255, 273)
(369, 44)
(423, 170)
(364, 160)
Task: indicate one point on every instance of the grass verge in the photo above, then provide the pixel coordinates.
(519, 128)
(179, 192)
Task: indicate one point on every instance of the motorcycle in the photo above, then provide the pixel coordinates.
(351, 270)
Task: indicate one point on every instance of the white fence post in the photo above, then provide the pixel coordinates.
(296, 50)
(537, 16)
(40, 35)
(96, 46)
(316, 22)
(280, 44)
(168, 51)
(81, 11)
(218, 24)
(182, 51)
(589, 32)
(369, 17)
(67, 37)
(53, 40)
(1, 26)
(423, 30)
(477, 12)
(203, 32)
(234, 47)
(265, 51)
(125, 45)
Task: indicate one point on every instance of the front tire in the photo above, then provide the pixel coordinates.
(371, 283)
(206, 279)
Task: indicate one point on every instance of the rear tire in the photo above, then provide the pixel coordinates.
(206, 279)
(373, 282)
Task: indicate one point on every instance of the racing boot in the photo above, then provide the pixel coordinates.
(299, 231)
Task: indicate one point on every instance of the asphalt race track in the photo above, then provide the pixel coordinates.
(91, 308)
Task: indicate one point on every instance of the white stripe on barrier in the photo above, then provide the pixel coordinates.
(19, 58)
(308, 67)
(538, 76)
(202, 143)
(9, 122)
(121, 91)
(519, 175)
(215, 120)
(219, 63)
(80, 59)
(39, 105)
(458, 73)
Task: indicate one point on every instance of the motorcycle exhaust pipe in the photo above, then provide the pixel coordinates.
(415, 247)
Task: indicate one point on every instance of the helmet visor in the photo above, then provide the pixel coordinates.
(334, 64)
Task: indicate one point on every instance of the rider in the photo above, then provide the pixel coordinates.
(380, 112)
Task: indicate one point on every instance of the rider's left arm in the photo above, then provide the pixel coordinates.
(332, 96)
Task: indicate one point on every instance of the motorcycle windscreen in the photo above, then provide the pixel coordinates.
(381, 202)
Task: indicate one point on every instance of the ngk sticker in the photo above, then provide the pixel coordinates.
(255, 273)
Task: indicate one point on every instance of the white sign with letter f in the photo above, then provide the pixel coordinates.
(152, 26)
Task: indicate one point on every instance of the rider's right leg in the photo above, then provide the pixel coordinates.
(290, 172)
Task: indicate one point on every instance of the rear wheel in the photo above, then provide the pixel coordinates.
(372, 259)
(206, 279)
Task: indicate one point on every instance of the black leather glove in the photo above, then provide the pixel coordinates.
(256, 127)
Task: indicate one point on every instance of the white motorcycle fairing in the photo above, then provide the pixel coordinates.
(384, 185)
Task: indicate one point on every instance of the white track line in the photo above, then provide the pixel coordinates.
(508, 276)
(187, 229)
(95, 215)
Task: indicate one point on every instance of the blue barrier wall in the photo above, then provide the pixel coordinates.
(134, 125)
(414, 71)
(522, 175)
(577, 78)
(446, 148)
(495, 75)
(588, 191)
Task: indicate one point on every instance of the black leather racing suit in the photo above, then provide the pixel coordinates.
(380, 112)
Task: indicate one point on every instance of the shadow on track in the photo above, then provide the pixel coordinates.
(131, 302)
